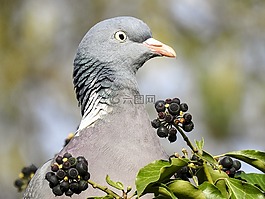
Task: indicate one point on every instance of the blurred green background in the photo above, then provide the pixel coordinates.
(219, 72)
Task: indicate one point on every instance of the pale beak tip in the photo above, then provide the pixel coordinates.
(160, 48)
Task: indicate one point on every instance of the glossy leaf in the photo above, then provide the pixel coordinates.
(253, 178)
(211, 191)
(215, 174)
(157, 171)
(185, 190)
(239, 189)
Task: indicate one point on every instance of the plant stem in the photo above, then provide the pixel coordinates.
(186, 139)
(105, 189)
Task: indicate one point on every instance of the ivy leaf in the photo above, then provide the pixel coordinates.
(253, 178)
(211, 191)
(149, 174)
(215, 174)
(239, 189)
(117, 185)
(208, 158)
(163, 192)
(252, 157)
(185, 190)
(157, 171)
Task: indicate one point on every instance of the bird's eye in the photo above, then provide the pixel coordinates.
(121, 36)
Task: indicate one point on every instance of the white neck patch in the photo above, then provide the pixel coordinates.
(95, 111)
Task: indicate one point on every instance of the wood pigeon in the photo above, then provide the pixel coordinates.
(115, 135)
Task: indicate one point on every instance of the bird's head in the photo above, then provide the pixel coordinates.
(125, 43)
(108, 57)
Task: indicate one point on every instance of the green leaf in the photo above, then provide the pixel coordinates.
(199, 144)
(149, 174)
(163, 192)
(220, 184)
(253, 178)
(185, 190)
(169, 170)
(215, 174)
(211, 191)
(208, 158)
(239, 189)
(157, 171)
(252, 157)
(117, 185)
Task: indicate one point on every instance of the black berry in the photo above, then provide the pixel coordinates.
(174, 109)
(33, 168)
(155, 123)
(59, 159)
(53, 180)
(26, 171)
(48, 175)
(18, 183)
(64, 186)
(82, 159)
(86, 176)
(236, 164)
(83, 185)
(69, 192)
(60, 174)
(74, 187)
(188, 127)
(72, 173)
(54, 167)
(184, 107)
(160, 106)
(172, 137)
(226, 162)
(67, 155)
(168, 101)
(187, 117)
(176, 100)
(169, 118)
(162, 131)
(57, 190)
(161, 115)
(231, 172)
(81, 168)
(72, 161)
(66, 165)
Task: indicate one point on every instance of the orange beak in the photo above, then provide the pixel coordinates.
(159, 48)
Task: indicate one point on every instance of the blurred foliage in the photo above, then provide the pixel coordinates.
(220, 47)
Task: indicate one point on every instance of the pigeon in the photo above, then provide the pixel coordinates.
(115, 134)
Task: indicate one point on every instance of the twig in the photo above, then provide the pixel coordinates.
(105, 189)
(186, 139)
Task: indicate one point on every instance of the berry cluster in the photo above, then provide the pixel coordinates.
(187, 172)
(230, 166)
(25, 176)
(69, 175)
(171, 114)
(184, 173)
